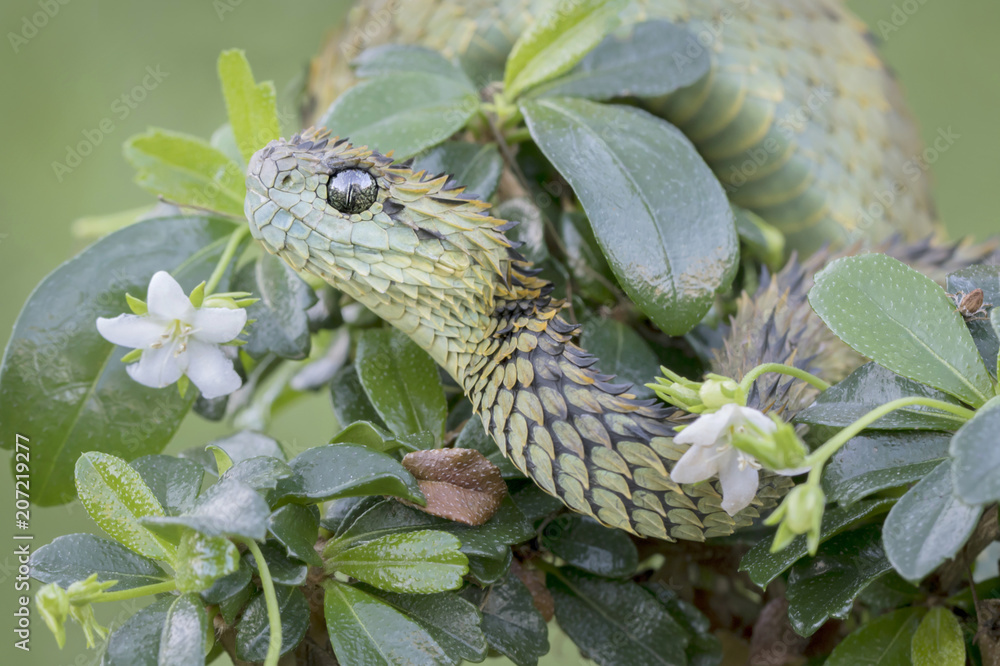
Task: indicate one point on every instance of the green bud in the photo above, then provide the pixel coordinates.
(220, 301)
(779, 450)
(133, 355)
(89, 589)
(197, 296)
(136, 305)
(717, 391)
(84, 614)
(53, 605)
(800, 513)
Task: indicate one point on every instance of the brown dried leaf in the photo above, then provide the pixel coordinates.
(459, 484)
(534, 580)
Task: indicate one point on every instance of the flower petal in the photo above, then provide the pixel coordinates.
(739, 486)
(698, 463)
(756, 418)
(218, 324)
(210, 370)
(129, 330)
(792, 472)
(156, 368)
(166, 299)
(707, 428)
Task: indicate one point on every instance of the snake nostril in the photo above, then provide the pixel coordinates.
(286, 181)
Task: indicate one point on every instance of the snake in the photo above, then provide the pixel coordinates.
(430, 259)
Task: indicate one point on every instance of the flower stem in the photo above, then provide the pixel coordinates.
(819, 457)
(273, 615)
(132, 593)
(783, 369)
(235, 239)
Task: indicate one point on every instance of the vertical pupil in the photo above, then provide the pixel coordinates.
(352, 190)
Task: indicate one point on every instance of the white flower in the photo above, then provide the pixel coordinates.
(176, 339)
(712, 454)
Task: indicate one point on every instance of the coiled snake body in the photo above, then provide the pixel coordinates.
(431, 260)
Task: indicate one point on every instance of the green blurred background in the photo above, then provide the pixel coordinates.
(65, 79)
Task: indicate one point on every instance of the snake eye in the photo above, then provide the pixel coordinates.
(351, 191)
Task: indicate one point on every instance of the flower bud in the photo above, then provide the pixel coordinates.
(800, 513)
(717, 391)
(52, 603)
(780, 450)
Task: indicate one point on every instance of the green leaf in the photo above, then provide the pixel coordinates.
(394, 58)
(762, 239)
(585, 259)
(333, 471)
(252, 107)
(763, 566)
(871, 386)
(62, 382)
(201, 560)
(511, 623)
(557, 40)
(425, 110)
(402, 382)
(473, 436)
(260, 473)
(296, 527)
(453, 622)
(488, 570)
(649, 60)
(182, 642)
(366, 631)
(530, 229)
(825, 586)
(651, 200)
(615, 623)
(117, 499)
(350, 403)
(938, 640)
(586, 544)
(987, 278)
(137, 641)
(227, 586)
(174, 481)
(623, 353)
(186, 170)
(475, 166)
(74, 557)
(976, 465)
(903, 321)
(928, 525)
(248, 444)
(703, 648)
(229, 508)
(253, 633)
(280, 324)
(879, 460)
(284, 570)
(416, 562)
(884, 641)
(369, 435)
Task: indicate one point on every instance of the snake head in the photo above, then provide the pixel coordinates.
(362, 222)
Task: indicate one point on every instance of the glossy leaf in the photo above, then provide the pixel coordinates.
(174, 481)
(182, 642)
(296, 527)
(987, 278)
(280, 325)
(884, 641)
(187, 170)
(393, 58)
(535, 503)
(402, 382)
(652, 59)
(284, 570)
(117, 499)
(247, 444)
(938, 640)
(260, 473)
(253, 633)
(623, 353)
(73, 557)
(762, 239)
(366, 631)
(333, 471)
(350, 402)
(137, 641)
(976, 465)
(879, 460)
(474, 436)
(426, 110)
(903, 321)
(556, 40)
(371, 436)
(252, 107)
(226, 587)
(202, 560)
(586, 544)
(659, 214)
(453, 622)
(825, 586)
(703, 648)
(763, 566)
(229, 508)
(616, 623)
(485, 570)
(585, 259)
(416, 562)
(63, 383)
(530, 229)
(511, 623)
(476, 167)
(928, 525)
(871, 386)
